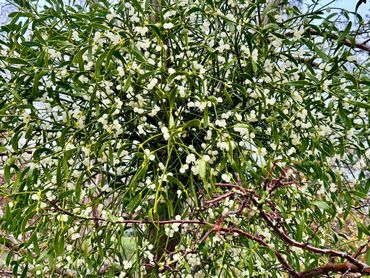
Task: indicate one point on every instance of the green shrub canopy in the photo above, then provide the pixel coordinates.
(183, 139)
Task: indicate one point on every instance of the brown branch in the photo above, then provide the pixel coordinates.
(334, 267)
(216, 227)
(6, 273)
(368, 40)
(278, 255)
(352, 265)
(272, 219)
(233, 186)
(9, 241)
(346, 42)
(206, 235)
(309, 247)
(361, 248)
(128, 221)
(219, 198)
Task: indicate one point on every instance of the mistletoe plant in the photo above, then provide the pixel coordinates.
(183, 138)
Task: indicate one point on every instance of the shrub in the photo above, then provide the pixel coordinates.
(183, 138)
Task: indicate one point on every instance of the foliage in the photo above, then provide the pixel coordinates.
(192, 138)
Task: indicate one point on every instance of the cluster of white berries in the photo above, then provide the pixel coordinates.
(170, 230)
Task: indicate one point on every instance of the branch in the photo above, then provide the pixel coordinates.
(216, 227)
(346, 42)
(334, 267)
(9, 241)
(359, 250)
(352, 265)
(128, 221)
(279, 256)
(219, 198)
(309, 247)
(6, 273)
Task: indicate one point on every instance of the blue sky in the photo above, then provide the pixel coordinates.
(349, 5)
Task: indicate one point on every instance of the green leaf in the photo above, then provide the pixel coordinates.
(78, 187)
(174, 180)
(193, 123)
(345, 32)
(250, 266)
(271, 26)
(202, 168)
(206, 117)
(153, 217)
(34, 241)
(9, 257)
(170, 209)
(77, 59)
(59, 176)
(242, 125)
(17, 61)
(299, 233)
(137, 6)
(323, 205)
(15, 268)
(20, 14)
(360, 104)
(7, 174)
(362, 229)
(30, 212)
(343, 116)
(351, 78)
(322, 149)
(100, 26)
(99, 64)
(138, 54)
(139, 174)
(134, 203)
(319, 52)
(25, 271)
(59, 243)
(36, 82)
(127, 83)
(368, 256)
(38, 152)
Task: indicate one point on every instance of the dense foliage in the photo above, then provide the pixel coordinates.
(183, 138)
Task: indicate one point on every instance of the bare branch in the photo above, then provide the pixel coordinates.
(346, 42)
(279, 256)
(334, 267)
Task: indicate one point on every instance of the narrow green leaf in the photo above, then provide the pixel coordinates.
(193, 123)
(77, 59)
(134, 203)
(319, 52)
(137, 6)
(99, 64)
(202, 168)
(36, 82)
(368, 256)
(360, 104)
(17, 61)
(323, 205)
(345, 32)
(7, 175)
